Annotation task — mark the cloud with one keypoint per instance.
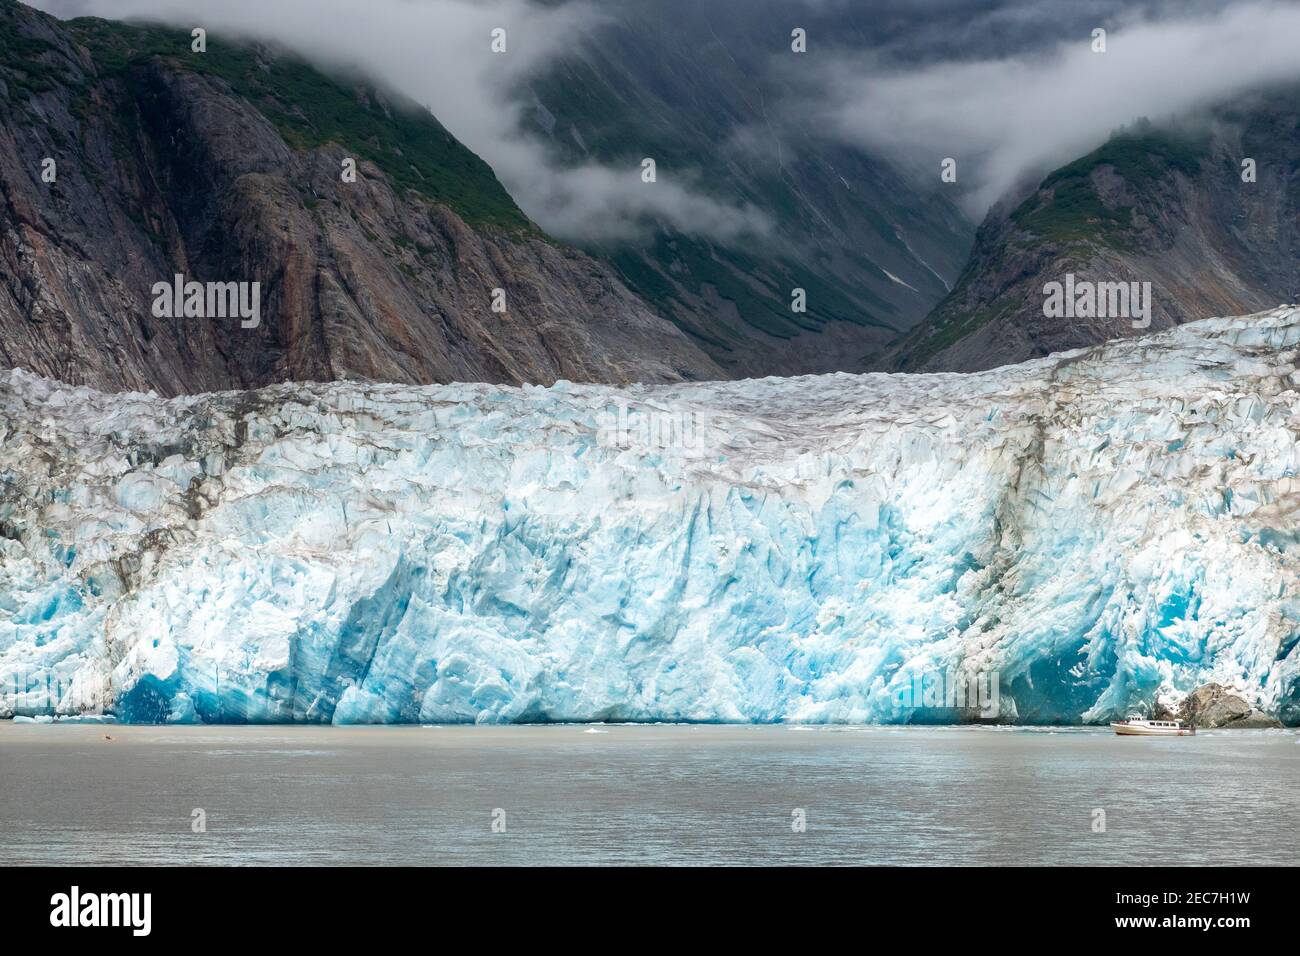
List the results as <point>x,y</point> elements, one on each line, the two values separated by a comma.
<point>1027,113</point>
<point>913,80</point>
<point>602,203</point>
<point>438,53</point>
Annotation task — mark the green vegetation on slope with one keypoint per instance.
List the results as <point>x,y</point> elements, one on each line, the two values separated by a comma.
<point>1067,207</point>
<point>628,99</point>
<point>761,292</point>
<point>21,67</point>
<point>945,325</point>
<point>310,109</point>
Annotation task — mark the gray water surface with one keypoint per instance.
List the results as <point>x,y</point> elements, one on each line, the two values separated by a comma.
<point>644,794</point>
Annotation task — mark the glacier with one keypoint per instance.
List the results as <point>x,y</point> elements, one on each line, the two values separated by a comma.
<point>1099,529</point>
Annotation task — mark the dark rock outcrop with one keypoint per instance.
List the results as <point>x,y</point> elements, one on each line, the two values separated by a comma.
<point>1213,705</point>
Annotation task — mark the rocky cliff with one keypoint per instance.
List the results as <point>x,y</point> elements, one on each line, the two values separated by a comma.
<point>1166,205</point>
<point>126,158</point>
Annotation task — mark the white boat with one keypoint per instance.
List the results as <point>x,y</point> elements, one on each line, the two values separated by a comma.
<point>1138,726</point>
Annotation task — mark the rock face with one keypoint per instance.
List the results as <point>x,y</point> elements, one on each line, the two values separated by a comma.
<point>697,86</point>
<point>1162,206</point>
<point>1083,531</point>
<point>1213,705</point>
<point>227,166</point>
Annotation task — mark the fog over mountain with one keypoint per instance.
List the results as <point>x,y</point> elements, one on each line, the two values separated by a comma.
<point>438,52</point>
<point>1009,114</point>
<point>1007,86</point>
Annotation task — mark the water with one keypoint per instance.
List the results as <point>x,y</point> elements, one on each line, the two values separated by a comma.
<point>636,794</point>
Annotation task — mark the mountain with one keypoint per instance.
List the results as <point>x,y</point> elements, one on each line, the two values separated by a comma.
<point>698,87</point>
<point>1091,533</point>
<point>1160,204</point>
<point>226,166</point>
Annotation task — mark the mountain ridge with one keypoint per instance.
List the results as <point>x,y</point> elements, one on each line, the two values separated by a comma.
<point>1161,204</point>
<point>164,167</point>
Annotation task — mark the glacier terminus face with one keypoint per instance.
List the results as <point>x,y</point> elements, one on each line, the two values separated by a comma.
<point>1086,534</point>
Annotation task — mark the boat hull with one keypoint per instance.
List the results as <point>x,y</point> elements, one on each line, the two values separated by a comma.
<point>1137,730</point>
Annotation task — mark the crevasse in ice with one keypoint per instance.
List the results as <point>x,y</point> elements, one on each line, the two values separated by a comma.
<point>1095,529</point>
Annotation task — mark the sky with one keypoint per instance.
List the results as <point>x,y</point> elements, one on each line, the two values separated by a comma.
<point>1009,88</point>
